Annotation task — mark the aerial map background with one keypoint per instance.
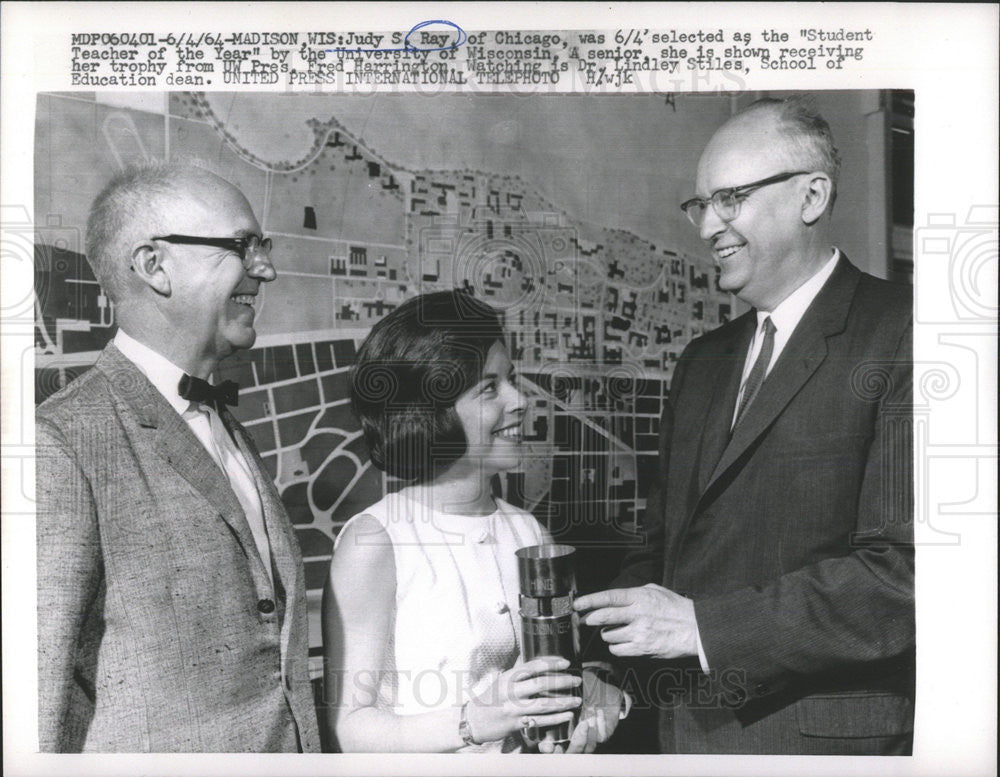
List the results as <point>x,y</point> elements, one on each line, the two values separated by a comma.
<point>561,210</point>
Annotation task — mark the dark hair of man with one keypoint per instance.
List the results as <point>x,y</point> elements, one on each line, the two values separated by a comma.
<point>411,369</point>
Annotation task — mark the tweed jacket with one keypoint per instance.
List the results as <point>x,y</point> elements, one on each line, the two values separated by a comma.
<point>792,534</point>
<point>159,629</point>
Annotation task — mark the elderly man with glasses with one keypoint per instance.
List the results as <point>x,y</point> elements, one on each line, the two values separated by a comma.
<point>171,600</point>
<point>773,598</point>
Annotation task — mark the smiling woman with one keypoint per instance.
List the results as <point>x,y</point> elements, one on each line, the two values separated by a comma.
<point>411,372</point>
<point>435,390</point>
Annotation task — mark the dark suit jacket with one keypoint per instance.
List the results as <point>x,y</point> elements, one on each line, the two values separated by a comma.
<point>794,537</point>
<point>158,629</point>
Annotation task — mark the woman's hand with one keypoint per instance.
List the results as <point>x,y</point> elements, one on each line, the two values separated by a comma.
<point>538,689</point>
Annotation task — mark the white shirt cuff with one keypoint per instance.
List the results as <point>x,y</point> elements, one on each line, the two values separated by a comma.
<point>701,651</point>
<point>626,707</point>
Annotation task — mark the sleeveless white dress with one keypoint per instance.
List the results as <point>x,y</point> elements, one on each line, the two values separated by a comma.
<point>456,620</point>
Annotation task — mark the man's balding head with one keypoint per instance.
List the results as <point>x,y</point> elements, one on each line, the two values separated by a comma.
<point>779,157</point>
<point>806,139</point>
<point>180,252</point>
<point>790,129</point>
<point>134,205</point>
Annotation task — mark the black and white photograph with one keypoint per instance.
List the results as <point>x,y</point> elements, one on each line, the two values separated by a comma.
<point>609,395</point>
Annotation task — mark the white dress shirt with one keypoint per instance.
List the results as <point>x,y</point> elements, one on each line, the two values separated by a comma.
<point>207,426</point>
<point>785,317</point>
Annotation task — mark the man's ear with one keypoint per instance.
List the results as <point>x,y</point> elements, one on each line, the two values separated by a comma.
<point>818,193</point>
<point>147,264</point>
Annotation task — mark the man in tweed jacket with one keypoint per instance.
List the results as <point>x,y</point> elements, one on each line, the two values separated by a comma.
<point>171,601</point>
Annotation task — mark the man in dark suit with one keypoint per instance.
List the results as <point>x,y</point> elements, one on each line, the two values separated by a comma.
<point>171,599</point>
<point>773,599</point>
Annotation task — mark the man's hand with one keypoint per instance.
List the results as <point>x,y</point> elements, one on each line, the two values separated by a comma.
<point>584,739</point>
<point>647,621</point>
<point>602,703</point>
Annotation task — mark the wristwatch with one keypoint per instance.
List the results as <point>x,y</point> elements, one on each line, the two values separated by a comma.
<point>464,730</point>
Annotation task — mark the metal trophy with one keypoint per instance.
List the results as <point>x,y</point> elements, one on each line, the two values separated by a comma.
<point>549,625</point>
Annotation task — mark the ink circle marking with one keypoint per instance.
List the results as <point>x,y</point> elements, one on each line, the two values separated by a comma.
<point>462,36</point>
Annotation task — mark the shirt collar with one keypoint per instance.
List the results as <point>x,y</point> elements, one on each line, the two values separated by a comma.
<point>787,315</point>
<point>162,373</point>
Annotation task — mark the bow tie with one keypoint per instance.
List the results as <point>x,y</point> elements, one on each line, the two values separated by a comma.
<point>198,390</point>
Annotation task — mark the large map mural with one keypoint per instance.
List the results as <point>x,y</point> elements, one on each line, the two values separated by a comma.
<point>597,312</point>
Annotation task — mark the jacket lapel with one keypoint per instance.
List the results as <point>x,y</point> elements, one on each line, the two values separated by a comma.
<point>284,557</point>
<point>726,386</point>
<point>174,441</point>
<point>801,357</point>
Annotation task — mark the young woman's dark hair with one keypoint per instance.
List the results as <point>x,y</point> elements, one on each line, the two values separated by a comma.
<point>411,369</point>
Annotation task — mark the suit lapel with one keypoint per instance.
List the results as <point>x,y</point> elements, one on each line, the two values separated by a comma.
<point>174,441</point>
<point>279,532</point>
<point>726,386</point>
<point>270,502</point>
<point>801,357</point>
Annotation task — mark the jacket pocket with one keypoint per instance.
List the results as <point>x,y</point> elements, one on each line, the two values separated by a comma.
<point>855,715</point>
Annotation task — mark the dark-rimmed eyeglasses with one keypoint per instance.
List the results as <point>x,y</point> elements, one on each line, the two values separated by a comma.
<point>248,247</point>
<point>727,202</point>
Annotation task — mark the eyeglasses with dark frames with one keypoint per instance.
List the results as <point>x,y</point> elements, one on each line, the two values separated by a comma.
<point>246,247</point>
<point>727,202</point>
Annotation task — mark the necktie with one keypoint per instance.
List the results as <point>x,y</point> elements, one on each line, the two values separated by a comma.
<point>759,370</point>
<point>198,390</point>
